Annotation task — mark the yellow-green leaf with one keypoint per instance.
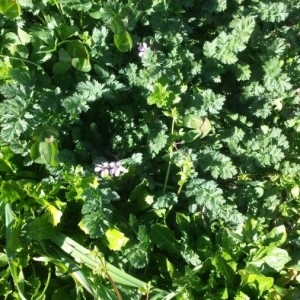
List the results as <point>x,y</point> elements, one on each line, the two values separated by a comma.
<point>10,8</point>
<point>116,239</point>
<point>54,214</point>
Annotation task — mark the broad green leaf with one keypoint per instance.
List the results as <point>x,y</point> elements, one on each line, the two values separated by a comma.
<point>13,44</point>
<point>11,191</point>
<point>5,166</point>
<point>140,191</point>
<point>232,241</point>
<point>276,237</point>
<point>95,14</point>
<point>116,239</point>
<point>251,230</point>
<point>277,258</point>
<point>64,56</point>
<point>24,37</point>
<point>66,31</point>
<point>40,228</point>
<point>45,150</point>
<point>164,238</point>
<point>258,282</point>
<point>3,260</point>
<point>140,198</point>
<point>205,246</point>
<point>81,64</point>
<point>80,56</point>
<point>10,8</point>
<point>170,268</point>
<point>55,214</point>
<point>117,26</point>
<point>184,223</point>
<point>44,45</point>
<point>225,264</point>
<point>34,151</point>
<point>190,136</point>
<point>193,121</point>
<point>270,256</point>
<point>61,67</point>
<point>77,49</point>
<point>45,133</point>
<point>201,126</point>
<point>123,41</point>
<point>241,296</point>
<point>224,293</point>
<point>264,283</point>
<point>48,152</point>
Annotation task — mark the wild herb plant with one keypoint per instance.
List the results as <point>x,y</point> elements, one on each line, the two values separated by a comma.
<point>149,149</point>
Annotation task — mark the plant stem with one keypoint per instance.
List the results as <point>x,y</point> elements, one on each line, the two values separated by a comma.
<point>116,290</point>
<point>26,61</point>
<point>170,158</point>
<point>41,296</point>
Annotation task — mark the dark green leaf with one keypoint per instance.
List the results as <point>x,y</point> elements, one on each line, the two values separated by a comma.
<point>123,41</point>
<point>61,67</point>
<point>164,238</point>
<point>117,26</point>
<point>40,229</point>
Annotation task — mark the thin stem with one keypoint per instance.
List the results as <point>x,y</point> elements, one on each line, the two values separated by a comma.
<point>60,11</point>
<point>168,170</point>
<point>21,59</point>
<point>116,290</point>
<point>180,188</point>
<point>46,285</point>
<point>170,158</point>
<point>26,61</point>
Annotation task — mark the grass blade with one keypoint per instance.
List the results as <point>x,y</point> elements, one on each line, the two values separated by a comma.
<point>16,274</point>
<point>79,253</point>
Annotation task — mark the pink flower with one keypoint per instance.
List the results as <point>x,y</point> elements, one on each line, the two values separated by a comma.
<point>142,49</point>
<point>113,169</point>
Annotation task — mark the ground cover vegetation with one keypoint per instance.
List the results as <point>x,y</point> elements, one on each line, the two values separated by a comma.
<point>149,149</point>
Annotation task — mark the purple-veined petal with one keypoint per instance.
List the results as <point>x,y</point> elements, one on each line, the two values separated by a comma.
<point>117,173</point>
<point>142,47</point>
<point>98,168</point>
<point>104,173</point>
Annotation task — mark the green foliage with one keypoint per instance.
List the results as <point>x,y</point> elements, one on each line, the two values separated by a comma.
<point>11,9</point>
<point>97,211</point>
<point>225,47</point>
<point>138,254</point>
<point>192,110</point>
